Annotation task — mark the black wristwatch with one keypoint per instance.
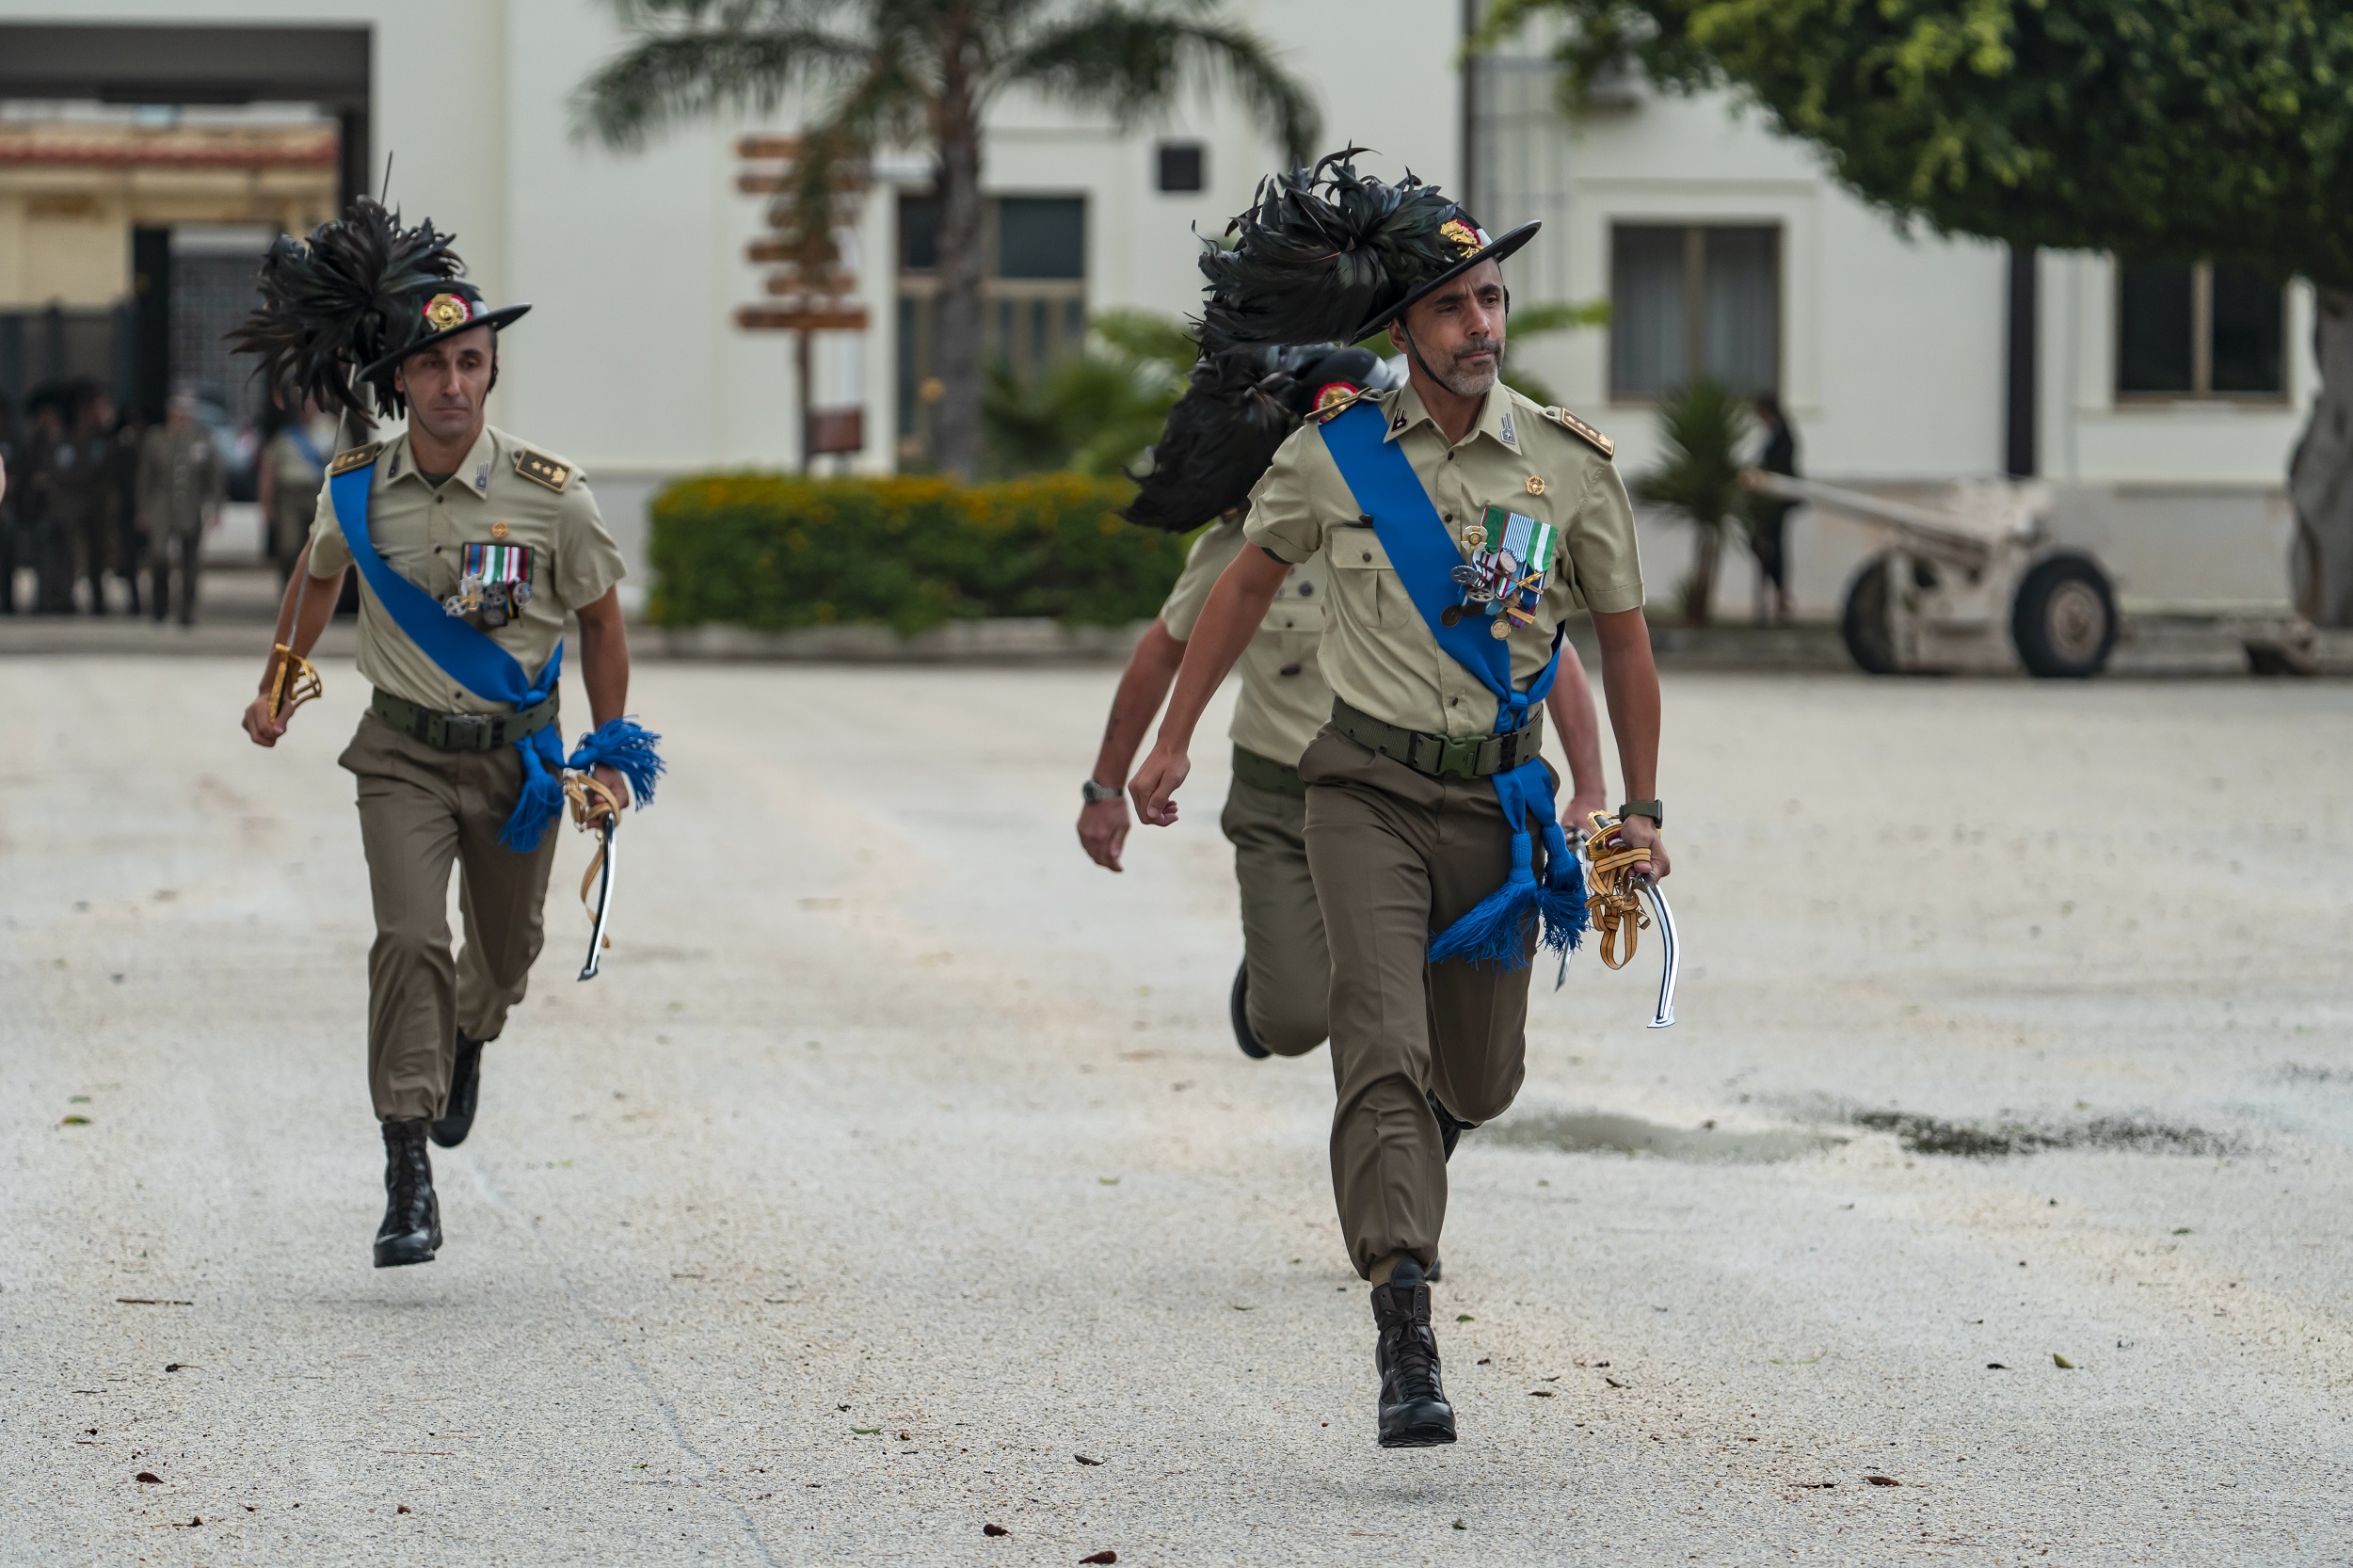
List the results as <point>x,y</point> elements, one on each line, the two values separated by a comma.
<point>1095,795</point>
<point>1655,810</point>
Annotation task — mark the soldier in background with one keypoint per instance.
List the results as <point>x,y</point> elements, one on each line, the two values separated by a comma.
<point>122,483</point>
<point>293,467</point>
<point>84,527</point>
<point>37,498</point>
<point>180,487</point>
<point>9,460</point>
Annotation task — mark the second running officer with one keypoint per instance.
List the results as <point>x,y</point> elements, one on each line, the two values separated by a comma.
<point>1464,524</point>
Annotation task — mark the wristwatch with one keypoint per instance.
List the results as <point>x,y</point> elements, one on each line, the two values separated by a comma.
<point>1655,810</point>
<point>1095,795</point>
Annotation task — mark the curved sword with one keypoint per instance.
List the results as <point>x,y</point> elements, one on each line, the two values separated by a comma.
<point>1661,916</point>
<point>601,872</point>
<point>1664,919</point>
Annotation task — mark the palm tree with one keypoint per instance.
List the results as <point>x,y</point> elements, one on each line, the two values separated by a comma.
<point>922,72</point>
<point>1701,427</point>
<point>1096,414</point>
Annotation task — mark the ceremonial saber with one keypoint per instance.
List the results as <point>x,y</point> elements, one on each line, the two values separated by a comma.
<point>1664,919</point>
<point>612,831</point>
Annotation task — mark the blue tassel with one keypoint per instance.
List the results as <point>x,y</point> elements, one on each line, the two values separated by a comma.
<point>1494,933</point>
<point>542,794</point>
<point>627,748</point>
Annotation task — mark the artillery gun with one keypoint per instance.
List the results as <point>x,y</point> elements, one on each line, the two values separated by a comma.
<point>1977,585</point>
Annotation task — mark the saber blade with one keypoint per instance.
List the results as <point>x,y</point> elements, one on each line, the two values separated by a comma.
<point>610,833</point>
<point>1664,919</point>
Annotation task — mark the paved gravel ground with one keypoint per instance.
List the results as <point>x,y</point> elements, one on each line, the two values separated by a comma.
<point>900,1175</point>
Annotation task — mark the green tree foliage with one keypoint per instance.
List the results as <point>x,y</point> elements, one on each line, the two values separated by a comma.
<point>875,75</point>
<point>2164,130</point>
<point>1094,414</point>
<point>1702,427</point>
<point>2179,129</point>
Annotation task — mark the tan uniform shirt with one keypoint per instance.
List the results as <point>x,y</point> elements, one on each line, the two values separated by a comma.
<point>1378,653</point>
<point>420,530</point>
<point>1284,699</point>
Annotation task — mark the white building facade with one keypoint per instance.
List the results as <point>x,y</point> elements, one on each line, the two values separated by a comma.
<point>1722,247</point>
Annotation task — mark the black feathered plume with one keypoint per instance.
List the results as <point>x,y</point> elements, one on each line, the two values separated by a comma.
<point>1239,407</point>
<point>1322,251</point>
<point>328,305</point>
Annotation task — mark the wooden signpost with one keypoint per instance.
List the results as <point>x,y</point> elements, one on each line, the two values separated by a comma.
<point>809,290</point>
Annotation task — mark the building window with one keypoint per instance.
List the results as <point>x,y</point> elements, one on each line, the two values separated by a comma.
<point>1687,301</point>
<point>1033,296</point>
<point>2199,331</point>
<point>1181,167</point>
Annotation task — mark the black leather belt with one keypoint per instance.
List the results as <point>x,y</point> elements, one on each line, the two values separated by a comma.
<point>461,731</point>
<point>1441,755</point>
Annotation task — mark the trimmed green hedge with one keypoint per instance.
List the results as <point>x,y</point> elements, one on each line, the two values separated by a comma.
<point>775,552</point>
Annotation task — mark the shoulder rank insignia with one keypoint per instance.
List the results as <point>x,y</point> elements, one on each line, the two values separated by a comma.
<point>543,469</point>
<point>358,456</point>
<point>1582,431</point>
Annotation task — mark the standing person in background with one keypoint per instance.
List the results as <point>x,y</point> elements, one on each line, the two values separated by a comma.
<point>8,510</point>
<point>89,487</point>
<point>62,470</point>
<point>36,498</point>
<point>122,483</point>
<point>181,486</point>
<point>293,467</point>
<point>1769,516</point>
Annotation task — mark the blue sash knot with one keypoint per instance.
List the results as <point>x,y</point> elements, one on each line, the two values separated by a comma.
<point>472,659</point>
<point>1424,555</point>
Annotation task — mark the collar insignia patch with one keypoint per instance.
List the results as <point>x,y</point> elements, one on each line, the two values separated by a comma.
<point>482,478</point>
<point>1511,437</point>
<point>1398,423</point>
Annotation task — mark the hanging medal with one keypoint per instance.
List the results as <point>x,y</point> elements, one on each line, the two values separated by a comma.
<point>494,581</point>
<point>1504,579</point>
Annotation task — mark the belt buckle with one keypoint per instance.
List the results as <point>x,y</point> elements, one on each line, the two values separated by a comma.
<point>466,731</point>
<point>1458,757</point>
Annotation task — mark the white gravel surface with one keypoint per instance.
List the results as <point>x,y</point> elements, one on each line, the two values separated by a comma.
<point>900,1157</point>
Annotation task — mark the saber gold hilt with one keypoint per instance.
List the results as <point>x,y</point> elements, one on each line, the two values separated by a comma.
<point>293,682</point>
<point>1617,868</point>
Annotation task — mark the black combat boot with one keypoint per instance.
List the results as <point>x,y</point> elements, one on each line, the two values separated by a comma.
<point>1451,1126</point>
<point>1414,1412</point>
<point>465,1093</point>
<point>1239,1004</point>
<point>411,1231</point>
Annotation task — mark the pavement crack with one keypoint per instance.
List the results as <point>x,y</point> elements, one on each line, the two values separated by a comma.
<point>614,1342</point>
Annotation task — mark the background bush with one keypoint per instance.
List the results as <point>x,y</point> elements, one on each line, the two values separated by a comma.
<point>775,552</point>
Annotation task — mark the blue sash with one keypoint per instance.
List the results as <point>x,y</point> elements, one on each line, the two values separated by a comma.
<point>472,660</point>
<point>1425,556</point>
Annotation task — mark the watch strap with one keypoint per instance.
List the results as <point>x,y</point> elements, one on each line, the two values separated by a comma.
<point>1095,794</point>
<point>1655,810</point>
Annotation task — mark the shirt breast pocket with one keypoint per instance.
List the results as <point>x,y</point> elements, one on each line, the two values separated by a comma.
<point>1364,584</point>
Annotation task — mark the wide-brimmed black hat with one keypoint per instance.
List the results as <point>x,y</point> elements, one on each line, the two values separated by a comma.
<point>348,301</point>
<point>448,308</point>
<point>1326,253</point>
<point>1239,407</point>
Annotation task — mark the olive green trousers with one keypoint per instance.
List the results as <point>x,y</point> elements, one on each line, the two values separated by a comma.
<point>1396,856</point>
<point>421,812</point>
<point>1282,927</point>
